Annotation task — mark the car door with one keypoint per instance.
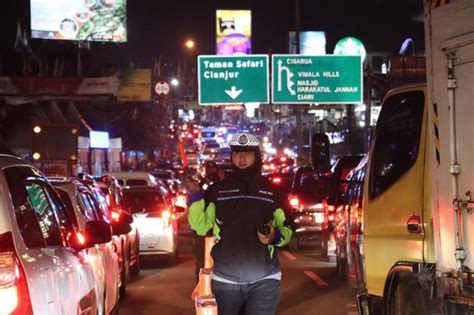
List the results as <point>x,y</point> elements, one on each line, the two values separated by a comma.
<point>67,280</point>
<point>393,197</point>
<point>75,267</point>
<point>35,256</point>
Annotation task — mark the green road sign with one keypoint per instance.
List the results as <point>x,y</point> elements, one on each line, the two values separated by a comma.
<point>299,79</point>
<point>225,80</point>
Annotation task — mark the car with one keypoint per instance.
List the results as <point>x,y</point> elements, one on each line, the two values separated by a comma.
<point>82,206</point>
<point>282,181</point>
<point>306,204</point>
<point>209,133</point>
<point>210,150</point>
<point>349,230</point>
<point>336,185</point>
<point>129,243</point>
<point>134,178</point>
<point>154,217</point>
<point>223,156</point>
<point>44,268</point>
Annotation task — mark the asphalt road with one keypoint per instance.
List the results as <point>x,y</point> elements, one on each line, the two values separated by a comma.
<point>310,285</point>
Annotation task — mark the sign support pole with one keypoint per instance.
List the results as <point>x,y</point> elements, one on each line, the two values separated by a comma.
<point>299,125</point>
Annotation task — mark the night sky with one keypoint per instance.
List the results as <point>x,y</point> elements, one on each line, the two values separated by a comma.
<point>158,26</point>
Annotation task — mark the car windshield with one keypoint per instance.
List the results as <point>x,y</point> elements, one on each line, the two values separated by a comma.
<point>143,201</point>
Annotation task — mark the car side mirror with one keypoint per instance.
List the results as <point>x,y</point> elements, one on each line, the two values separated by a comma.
<point>178,209</point>
<point>121,228</point>
<point>97,232</point>
<point>125,217</point>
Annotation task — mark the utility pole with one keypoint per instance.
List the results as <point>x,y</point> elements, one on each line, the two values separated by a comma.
<point>368,110</point>
<point>299,127</point>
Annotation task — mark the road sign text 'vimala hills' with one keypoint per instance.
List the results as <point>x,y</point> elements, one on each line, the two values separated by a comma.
<point>298,79</point>
<point>233,79</point>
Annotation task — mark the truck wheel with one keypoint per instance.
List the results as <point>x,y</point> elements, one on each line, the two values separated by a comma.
<point>408,299</point>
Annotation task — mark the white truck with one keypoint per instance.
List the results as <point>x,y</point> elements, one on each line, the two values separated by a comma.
<point>418,219</point>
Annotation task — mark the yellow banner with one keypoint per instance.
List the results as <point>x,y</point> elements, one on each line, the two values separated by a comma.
<point>135,85</point>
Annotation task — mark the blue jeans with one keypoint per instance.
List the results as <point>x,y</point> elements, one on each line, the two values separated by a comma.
<point>259,298</point>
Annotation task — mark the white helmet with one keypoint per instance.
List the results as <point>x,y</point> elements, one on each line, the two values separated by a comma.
<point>244,142</point>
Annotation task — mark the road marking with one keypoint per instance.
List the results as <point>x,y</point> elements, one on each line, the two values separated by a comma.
<point>289,255</point>
<point>313,276</point>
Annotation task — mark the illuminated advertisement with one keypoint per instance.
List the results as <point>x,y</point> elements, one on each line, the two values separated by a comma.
<point>233,32</point>
<point>311,43</point>
<point>87,20</point>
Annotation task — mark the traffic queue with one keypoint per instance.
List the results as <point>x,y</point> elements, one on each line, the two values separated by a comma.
<point>69,245</point>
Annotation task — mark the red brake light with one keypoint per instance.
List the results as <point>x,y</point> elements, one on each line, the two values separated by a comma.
<point>81,239</point>
<point>277,180</point>
<point>294,201</point>
<point>14,292</point>
<point>283,159</point>
<point>115,216</point>
<point>331,217</point>
<point>331,208</point>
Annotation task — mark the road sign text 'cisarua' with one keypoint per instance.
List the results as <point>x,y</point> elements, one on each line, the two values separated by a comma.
<point>327,79</point>
<point>233,79</point>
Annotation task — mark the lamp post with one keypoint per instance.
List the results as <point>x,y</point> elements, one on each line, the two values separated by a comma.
<point>189,44</point>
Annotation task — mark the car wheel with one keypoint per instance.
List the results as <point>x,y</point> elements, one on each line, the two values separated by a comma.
<point>324,247</point>
<point>135,269</point>
<point>173,258</point>
<point>294,244</point>
<point>123,287</point>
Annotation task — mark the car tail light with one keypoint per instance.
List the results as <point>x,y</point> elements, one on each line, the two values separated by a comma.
<point>14,292</point>
<point>81,238</point>
<point>294,201</point>
<point>331,217</point>
<point>115,216</point>
<point>331,208</point>
<point>277,180</point>
<point>319,217</point>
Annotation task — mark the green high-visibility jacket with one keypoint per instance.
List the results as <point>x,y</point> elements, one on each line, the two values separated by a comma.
<point>234,210</point>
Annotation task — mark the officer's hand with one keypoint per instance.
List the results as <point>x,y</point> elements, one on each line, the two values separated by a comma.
<point>268,238</point>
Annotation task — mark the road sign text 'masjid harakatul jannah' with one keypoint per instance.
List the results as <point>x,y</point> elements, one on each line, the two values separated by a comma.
<point>296,79</point>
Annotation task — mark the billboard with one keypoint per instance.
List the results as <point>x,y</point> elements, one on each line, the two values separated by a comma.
<point>87,20</point>
<point>311,43</point>
<point>135,85</point>
<point>233,32</point>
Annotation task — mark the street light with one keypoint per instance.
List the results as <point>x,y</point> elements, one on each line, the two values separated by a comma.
<point>189,44</point>
<point>174,82</point>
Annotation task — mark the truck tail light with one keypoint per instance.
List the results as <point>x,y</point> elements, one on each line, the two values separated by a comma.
<point>14,292</point>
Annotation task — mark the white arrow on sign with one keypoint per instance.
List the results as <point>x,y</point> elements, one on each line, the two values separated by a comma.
<point>233,93</point>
